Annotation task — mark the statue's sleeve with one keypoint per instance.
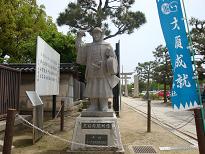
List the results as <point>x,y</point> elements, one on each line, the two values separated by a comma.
<point>112,63</point>
<point>81,53</point>
<point>110,52</point>
<point>112,67</point>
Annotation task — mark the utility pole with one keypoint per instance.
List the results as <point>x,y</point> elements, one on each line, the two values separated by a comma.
<point>165,76</point>
<point>148,102</point>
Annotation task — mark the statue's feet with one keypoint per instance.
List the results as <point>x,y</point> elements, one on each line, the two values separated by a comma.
<point>103,106</point>
<point>92,107</point>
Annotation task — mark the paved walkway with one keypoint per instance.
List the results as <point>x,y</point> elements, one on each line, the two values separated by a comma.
<point>181,123</point>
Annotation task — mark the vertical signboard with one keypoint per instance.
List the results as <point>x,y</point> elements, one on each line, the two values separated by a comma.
<point>184,94</point>
<point>47,69</point>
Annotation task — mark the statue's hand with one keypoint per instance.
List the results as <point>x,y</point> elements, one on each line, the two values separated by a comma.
<point>79,42</point>
<point>109,53</point>
<point>80,33</point>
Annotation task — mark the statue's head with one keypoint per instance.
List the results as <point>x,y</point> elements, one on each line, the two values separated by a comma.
<point>97,34</point>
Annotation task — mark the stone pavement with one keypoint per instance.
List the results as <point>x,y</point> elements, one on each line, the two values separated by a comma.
<point>181,123</point>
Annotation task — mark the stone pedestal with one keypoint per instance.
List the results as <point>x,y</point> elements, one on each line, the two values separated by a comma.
<point>98,133</point>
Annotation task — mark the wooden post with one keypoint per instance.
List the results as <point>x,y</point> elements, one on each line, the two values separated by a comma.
<point>62,115</point>
<point>165,77</point>
<point>149,115</point>
<point>54,107</point>
<point>199,130</point>
<point>116,89</point>
<point>9,131</point>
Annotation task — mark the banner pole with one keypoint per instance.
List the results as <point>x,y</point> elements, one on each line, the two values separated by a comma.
<point>192,52</point>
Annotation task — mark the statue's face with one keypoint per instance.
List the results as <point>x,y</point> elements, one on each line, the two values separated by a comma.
<point>97,36</point>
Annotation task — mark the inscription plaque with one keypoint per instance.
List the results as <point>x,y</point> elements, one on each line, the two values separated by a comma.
<point>94,139</point>
<point>96,126</point>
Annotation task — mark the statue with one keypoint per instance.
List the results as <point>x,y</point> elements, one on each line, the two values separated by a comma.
<point>101,67</point>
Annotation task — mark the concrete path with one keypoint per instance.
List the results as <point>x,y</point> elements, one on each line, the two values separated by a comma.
<point>181,123</point>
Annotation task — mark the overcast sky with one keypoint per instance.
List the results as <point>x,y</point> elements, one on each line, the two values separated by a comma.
<point>138,46</point>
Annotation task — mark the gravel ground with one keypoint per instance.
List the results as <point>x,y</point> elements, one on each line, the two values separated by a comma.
<point>132,128</point>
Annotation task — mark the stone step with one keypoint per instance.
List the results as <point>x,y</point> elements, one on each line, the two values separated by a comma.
<point>108,113</point>
<point>94,152</point>
<point>17,124</point>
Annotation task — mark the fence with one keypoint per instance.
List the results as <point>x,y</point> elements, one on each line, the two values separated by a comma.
<point>9,89</point>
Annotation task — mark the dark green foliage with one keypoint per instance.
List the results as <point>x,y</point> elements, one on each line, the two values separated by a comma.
<point>146,70</point>
<point>21,21</point>
<point>142,85</point>
<point>198,35</point>
<point>163,71</point>
<point>63,44</point>
<point>87,14</point>
<point>129,88</point>
<point>198,39</point>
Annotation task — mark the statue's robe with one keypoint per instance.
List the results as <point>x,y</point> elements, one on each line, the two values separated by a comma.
<point>99,81</point>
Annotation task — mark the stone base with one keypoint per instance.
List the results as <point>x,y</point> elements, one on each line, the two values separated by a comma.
<point>86,113</point>
<point>95,152</point>
<point>96,134</point>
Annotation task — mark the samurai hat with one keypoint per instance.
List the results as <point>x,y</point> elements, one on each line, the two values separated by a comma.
<point>97,29</point>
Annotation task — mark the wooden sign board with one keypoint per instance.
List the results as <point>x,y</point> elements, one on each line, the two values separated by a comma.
<point>47,69</point>
<point>34,98</point>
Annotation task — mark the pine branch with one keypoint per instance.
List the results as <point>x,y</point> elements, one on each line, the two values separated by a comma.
<point>113,35</point>
<point>100,5</point>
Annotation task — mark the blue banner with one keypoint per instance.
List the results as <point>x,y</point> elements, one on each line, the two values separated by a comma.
<point>183,94</point>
